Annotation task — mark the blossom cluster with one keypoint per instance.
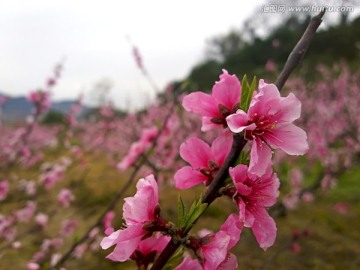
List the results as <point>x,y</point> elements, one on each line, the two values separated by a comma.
<point>267,123</point>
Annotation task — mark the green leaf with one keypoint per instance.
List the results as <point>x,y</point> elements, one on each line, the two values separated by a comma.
<point>243,158</point>
<point>195,211</point>
<point>175,259</point>
<point>247,92</point>
<point>181,212</point>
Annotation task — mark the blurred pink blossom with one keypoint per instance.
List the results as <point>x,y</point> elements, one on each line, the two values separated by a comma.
<point>4,189</point>
<point>65,196</point>
<point>41,219</point>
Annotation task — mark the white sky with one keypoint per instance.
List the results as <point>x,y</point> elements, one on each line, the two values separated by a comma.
<point>171,35</point>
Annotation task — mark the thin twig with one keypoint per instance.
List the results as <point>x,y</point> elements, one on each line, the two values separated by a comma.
<point>299,50</point>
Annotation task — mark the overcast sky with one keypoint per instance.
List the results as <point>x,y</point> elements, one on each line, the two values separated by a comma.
<point>171,36</point>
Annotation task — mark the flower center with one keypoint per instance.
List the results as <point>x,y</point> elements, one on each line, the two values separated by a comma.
<point>263,124</point>
<point>210,171</point>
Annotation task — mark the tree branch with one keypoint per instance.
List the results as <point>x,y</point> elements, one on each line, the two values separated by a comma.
<point>299,50</point>
<point>238,140</point>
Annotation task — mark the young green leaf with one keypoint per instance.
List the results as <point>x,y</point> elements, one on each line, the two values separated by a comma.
<point>195,211</point>
<point>181,212</point>
<point>175,259</point>
<point>247,92</point>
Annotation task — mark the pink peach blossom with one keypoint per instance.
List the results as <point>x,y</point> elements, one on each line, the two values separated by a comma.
<point>254,195</point>
<point>41,101</point>
<point>4,189</point>
<point>108,219</point>
<point>268,122</point>
<point>214,108</point>
<point>137,211</point>
<point>32,266</point>
<point>136,149</point>
<point>41,219</point>
<point>205,161</point>
<point>342,208</point>
<point>26,213</point>
<point>215,253</point>
<point>68,227</point>
<point>65,196</point>
<point>148,249</point>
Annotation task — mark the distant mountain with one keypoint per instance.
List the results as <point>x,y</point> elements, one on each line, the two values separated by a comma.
<point>16,109</point>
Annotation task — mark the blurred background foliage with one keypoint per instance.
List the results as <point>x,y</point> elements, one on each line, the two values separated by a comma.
<point>247,52</point>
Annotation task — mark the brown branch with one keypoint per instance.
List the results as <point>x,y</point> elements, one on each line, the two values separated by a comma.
<point>299,50</point>
<point>238,140</point>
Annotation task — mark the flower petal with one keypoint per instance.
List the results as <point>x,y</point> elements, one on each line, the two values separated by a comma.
<point>289,138</point>
<point>239,173</point>
<point>221,146</point>
<point>196,152</point>
<point>126,234</point>
<point>227,91</point>
<point>207,124</point>
<point>140,208</point>
<point>260,157</point>
<point>215,252</point>
<point>237,122</point>
<point>189,264</point>
<point>264,228</point>
<point>232,227</point>
<point>290,108</point>
<point>124,250</point>
<point>201,103</point>
<point>230,263</point>
<point>188,177</point>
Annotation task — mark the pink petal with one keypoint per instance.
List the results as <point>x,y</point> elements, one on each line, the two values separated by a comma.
<point>188,177</point>
<point>239,173</point>
<point>215,252</point>
<point>242,212</point>
<point>266,101</point>
<point>227,91</point>
<point>110,240</point>
<point>290,108</point>
<point>196,152</point>
<point>268,91</point>
<point>126,234</point>
<point>124,250</point>
<point>264,228</point>
<point>189,264</point>
<point>260,157</point>
<point>230,263</point>
<point>243,189</point>
<point>221,146</point>
<point>237,122</point>
<point>140,208</point>
<point>156,243</point>
<point>201,103</point>
<point>232,227</point>
<point>207,124</point>
<point>289,138</point>
<point>268,189</point>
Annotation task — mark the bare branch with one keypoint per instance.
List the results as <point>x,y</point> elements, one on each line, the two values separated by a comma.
<point>299,50</point>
